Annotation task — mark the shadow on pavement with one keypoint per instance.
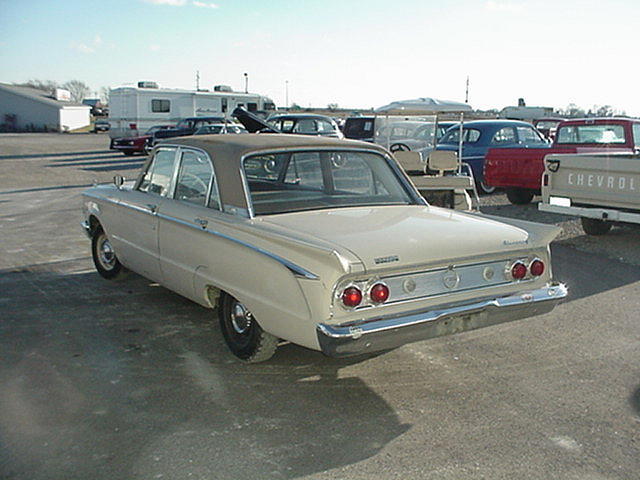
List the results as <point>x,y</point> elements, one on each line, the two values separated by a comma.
<point>120,380</point>
<point>52,155</point>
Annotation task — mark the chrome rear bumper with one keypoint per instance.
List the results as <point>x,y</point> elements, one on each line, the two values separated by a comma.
<point>389,332</point>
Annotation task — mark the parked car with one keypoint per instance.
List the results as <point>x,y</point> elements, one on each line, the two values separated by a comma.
<point>480,135</point>
<point>101,126</point>
<point>186,126</point>
<point>306,124</point>
<point>406,135</point>
<point>220,128</point>
<point>364,128</point>
<point>139,144</point>
<point>318,241</point>
<point>519,170</point>
<point>359,128</point>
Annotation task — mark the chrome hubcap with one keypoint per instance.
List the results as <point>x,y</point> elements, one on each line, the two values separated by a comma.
<point>106,254</point>
<point>241,318</point>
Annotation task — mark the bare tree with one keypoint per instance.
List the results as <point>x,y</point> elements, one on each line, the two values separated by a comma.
<point>44,85</point>
<point>79,90</point>
<point>104,95</point>
<point>573,110</point>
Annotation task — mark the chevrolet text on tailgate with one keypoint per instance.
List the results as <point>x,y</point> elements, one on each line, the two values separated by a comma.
<point>519,170</point>
<point>318,241</point>
<point>602,189</point>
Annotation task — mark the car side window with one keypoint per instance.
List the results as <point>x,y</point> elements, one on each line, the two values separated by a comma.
<point>505,135</point>
<point>529,136</point>
<point>195,177</point>
<point>157,178</point>
<point>636,135</point>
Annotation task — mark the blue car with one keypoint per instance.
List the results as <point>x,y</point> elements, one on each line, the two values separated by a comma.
<point>481,135</point>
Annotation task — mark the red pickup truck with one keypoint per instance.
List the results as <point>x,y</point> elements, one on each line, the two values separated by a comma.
<point>519,170</point>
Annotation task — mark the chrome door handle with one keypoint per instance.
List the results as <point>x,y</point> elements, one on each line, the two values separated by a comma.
<point>152,208</point>
<point>203,223</point>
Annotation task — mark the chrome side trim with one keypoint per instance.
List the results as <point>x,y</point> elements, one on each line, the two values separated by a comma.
<point>382,333</point>
<point>86,228</point>
<point>294,268</point>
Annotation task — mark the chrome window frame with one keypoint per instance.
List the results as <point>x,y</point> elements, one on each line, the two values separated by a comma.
<point>150,164</point>
<point>214,179</point>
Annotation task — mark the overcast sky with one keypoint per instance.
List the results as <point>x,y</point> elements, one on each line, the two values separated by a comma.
<point>354,53</point>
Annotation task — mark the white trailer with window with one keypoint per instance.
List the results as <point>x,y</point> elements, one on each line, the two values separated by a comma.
<point>132,110</point>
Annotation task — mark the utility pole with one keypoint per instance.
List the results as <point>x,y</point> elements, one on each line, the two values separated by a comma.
<point>286,94</point>
<point>246,83</point>
<point>466,94</point>
<point>197,80</point>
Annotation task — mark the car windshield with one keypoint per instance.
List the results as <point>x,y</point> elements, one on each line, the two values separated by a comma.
<point>600,133</point>
<point>208,129</point>
<point>315,180</point>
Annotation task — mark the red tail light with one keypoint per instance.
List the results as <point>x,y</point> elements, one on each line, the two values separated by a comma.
<point>536,268</point>
<point>351,297</point>
<point>379,293</point>
<point>518,271</point>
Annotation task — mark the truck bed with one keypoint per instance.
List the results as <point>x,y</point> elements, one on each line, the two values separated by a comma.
<point>594,180</point>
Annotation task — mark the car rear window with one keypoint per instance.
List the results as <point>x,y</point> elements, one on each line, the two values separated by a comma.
<point>594,133</point>
<point>314,180</point>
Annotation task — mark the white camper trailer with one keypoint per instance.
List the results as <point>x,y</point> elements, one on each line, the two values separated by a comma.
<point>135,109</point>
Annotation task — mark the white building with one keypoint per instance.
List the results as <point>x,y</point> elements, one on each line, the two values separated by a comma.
<point>24,108</point>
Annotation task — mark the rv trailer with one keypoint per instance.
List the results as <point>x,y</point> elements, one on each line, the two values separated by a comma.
<point>133,110</point>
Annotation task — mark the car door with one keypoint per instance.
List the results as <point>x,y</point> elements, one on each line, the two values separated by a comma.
<point>135,232</point>
<point>183,239</point>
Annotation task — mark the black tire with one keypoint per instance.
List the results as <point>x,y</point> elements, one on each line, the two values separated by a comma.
<point>593,226</point>
<point>128,153</point>
<point>399,147</point>
<point>241,332</point>
<point>519,196</point>
<point>104,258</point>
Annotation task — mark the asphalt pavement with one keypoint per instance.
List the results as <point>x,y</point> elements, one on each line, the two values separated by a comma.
<point>128,380</point>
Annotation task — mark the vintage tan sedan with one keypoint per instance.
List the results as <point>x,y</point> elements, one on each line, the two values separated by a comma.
<point>321,242</point>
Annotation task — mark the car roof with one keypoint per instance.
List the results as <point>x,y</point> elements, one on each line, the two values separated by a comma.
<point>496,123</point>
<point>295,116</point>
<point>227,151</point>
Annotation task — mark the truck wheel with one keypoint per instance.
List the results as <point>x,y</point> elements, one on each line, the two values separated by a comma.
<point>519,196</point>
<point>104,258</point>
<point>244,337</point>
<point>594,226</point>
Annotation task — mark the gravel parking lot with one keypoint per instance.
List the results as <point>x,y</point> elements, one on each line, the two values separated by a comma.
<point>128,380</point>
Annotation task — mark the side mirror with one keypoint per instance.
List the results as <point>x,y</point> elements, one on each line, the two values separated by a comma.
<point>118,181</point>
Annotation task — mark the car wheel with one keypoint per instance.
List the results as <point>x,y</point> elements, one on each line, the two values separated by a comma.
<point>244,337</point>
<point>519,196</point>
<point>104,257</point>
<point>128,153</point>
<point>594,226</point>
<point>486,188</point>
<point>399,147</point>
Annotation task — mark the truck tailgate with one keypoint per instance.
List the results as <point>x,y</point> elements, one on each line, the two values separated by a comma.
<point>607,180</point>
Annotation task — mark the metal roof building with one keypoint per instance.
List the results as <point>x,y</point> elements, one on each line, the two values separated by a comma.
<point>24,108</point>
